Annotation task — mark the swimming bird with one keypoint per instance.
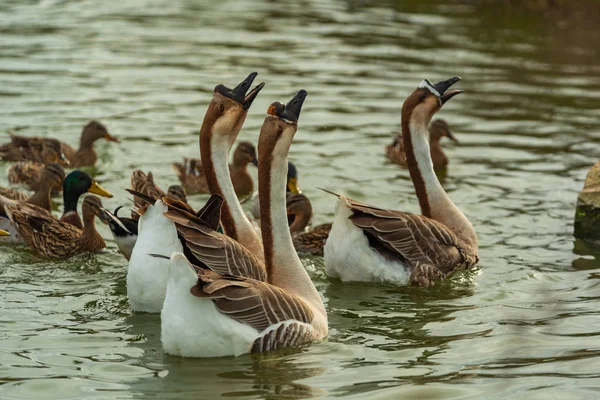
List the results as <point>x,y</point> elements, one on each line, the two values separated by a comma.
<point>144,183</point>
<point>56,239</point>
<point>75,184</point>
<point>217,309</point>
<point>51,179</point>
<point>146,275</point>
<point>39,150</point>
<point>191,174</point>
<point>123,229</point>
<point>29,174</point>
<point>368,243</point>
<point>438,129</point>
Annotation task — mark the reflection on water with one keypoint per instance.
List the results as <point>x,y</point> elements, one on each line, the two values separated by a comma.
<point>522,325</point>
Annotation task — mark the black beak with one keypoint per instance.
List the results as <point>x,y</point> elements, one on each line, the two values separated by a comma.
<point>292,109</point>
<point>239,92</point>
<point>442,86</point>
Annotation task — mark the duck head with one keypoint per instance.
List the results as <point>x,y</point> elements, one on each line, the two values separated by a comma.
<point>439,128</point>
<point>93,131</point>
<point>245,154</point>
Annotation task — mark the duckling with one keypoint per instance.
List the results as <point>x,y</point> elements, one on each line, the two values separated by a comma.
<point>37,149</point>
<point>52,178</point>
<point>192,177</point>
<point>56,239</point>
<point>437,130</point>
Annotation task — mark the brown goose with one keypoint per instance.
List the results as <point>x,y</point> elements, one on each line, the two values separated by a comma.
<point>191,174</point>
<point>222,122</point>
<point>232,314</point>
<point>51,179</point>
<point>438,129</point>
<point>368,243</point>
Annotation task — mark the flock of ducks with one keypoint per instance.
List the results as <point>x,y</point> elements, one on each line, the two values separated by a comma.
<point>226,282</point>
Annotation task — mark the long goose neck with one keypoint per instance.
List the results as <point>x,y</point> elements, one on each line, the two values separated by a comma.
<point>433,199</point>
<point>284,268</point>
<point>214,152</point>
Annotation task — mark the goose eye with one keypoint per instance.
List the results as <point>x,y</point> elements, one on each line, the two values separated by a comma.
<point>221,108</point>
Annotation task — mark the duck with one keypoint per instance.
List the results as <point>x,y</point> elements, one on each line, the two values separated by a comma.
<point>21,147</point>
<point>372,244</point>
<point>191,174</point>
<point>51,179</point>
<point>146,275</point>
<point>438,129</point>
<point>221,125</point>
<point>209,312</point>
<point>123,229</point>
<point>144,183</point>
<point>37,149</point>
<point>75,184</point>
<point>29,174</point>
<point>55,239</point>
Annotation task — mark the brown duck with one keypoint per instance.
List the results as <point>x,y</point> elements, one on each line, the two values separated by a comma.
<point>192,177</point>
<point>57,239</point>
<point>299,211</point>
<point>438,129</point>
<point>144,183</point>
<point>52,177</point>
<point>37,149</point>
<point>85,155</point>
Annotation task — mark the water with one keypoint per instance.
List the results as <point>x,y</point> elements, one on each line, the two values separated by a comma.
<point>525,324</point>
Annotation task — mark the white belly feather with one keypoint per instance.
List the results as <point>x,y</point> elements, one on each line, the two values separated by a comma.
<point>147,275</point>
<point>349,257</point>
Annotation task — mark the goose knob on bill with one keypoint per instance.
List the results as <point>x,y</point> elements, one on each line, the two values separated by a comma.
<point>367,243</point>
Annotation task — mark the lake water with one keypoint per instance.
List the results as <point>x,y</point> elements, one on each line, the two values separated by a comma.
<point>525,324</point>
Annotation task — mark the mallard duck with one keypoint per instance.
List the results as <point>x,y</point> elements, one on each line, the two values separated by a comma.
<point>144,183</point>
<point>74,185</point>
<point>368,243</point>
<point>222,123</point>
<point>192,177</point>
<point>299,212</point>
<point>56,239</point>
<point>438,129</point>
<point>227,311</point>
<point>24,148</point>
<point>52,178</point>
<point>38,149</point>
<point>123,229</point>
<point>29,174</point>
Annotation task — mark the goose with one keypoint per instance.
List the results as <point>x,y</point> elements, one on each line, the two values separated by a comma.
<point>191,174</point>
<point>438,129</point>
<point>367,243</point>
<point>222,122</point>
<point>146,275</point>
<point>216,310</point>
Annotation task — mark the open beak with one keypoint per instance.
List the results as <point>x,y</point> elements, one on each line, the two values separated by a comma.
<point>97,189</point>
<point>111,138</point>
<point>292,185</point>
<point>4,233</point>
<point>240,92</point>
<point>442,86</point>
<point>293,107</point>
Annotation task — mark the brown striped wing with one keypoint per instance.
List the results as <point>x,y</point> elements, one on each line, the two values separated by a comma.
<point>417,240</point>
<point>44,233</point>
<point>218,252</point>
<point>261,306</point>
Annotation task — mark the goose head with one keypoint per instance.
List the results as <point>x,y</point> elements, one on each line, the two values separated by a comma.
<point>428,99</point>
<point>228,108</point>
